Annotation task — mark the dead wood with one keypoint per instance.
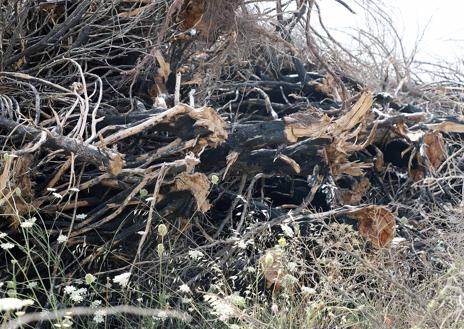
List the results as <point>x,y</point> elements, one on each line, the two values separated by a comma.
<point>104,159</point>
<point>99,144</point>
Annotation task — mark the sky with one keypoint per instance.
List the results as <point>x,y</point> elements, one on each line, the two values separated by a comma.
<point>442,20</point>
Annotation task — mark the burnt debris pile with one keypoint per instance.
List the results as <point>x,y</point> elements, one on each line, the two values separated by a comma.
<point>119,116</point>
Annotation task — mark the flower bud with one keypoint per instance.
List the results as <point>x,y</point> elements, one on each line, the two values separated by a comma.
<point>162,230</point>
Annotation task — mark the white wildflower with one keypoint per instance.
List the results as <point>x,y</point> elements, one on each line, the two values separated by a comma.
<point>66,323</point>
<point>274,308</point>
<point>11,304</point>
<point>288,281</point>
<point>3,235</point>
<point>185,289</point>
<point>57,195</point>
<point>29,222</point>
<point>51,189</point>
<point>99,316</point>
<point>32,284</point>
<point>76,295</point>
<point>237,300</point>
<point>195,254</point>
<point>292,266</point>
<point>221,307</point>
<point>308,291</point>
<point>184,300</point>
<point>62,238</point>
<point>96,303</point>
<point>122,279</point>
<point>6,246</point>
<point>69,289</point>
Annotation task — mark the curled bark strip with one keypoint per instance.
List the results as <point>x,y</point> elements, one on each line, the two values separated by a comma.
<point>300,125</point>
<point>357,114</point>
<point>198,184</point>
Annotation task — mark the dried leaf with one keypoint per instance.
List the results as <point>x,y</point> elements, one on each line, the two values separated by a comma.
<point>191,15</point>
<point>376,224</point>
<point>434,149</point>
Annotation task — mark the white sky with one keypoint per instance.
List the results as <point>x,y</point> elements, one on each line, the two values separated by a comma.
<point>444,35</point>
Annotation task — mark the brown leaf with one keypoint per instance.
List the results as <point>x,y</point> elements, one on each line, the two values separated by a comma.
<point>191,15</point>
<point>435,149</point>
<point>376,224</point>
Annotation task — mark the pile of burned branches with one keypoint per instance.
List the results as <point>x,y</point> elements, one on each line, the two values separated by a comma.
<point>119,116</point>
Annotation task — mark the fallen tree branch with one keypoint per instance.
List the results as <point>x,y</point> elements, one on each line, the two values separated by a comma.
<point>104,159</point>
